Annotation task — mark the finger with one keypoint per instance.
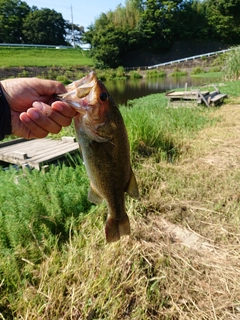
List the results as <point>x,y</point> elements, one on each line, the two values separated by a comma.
<point>32,129</point>
<point>64,109</point>
<point>48,87</point>
<point>43,120</point>
<point>52,114</point>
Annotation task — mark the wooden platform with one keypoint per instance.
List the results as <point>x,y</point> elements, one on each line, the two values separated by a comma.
<point>208,98</point>
<point>36,152</point>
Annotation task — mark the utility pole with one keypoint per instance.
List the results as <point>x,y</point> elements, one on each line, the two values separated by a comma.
<point>72,29</point>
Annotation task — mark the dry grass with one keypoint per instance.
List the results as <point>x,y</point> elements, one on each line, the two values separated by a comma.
<point>183,258</point>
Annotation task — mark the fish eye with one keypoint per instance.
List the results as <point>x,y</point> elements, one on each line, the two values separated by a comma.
<point>103,96</point>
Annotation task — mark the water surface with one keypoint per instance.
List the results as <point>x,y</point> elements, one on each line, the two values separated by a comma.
<point>124,90</point>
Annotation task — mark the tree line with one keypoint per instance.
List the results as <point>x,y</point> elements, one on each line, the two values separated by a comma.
<point>150,24</point>
<point>155,24</point>
<point>20,23</point>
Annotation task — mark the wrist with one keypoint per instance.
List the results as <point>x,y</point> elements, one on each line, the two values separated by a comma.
<point>5,116</point>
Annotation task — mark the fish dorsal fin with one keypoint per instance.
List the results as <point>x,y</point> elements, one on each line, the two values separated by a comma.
<point>93,196</point>
<point>132,188</point>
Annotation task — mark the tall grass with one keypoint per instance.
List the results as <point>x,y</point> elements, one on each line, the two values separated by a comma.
<point>157,130</point>
<point>232,64</point>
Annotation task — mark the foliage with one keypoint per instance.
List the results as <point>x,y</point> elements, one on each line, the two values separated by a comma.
<point>156,24</point>
<point>178,73</point>
<point>12,15</point>
<point>110,43</point>
<point>224,19</point>
<point>44,26</point>
<point>155,73</point>
<point>21,24</point>
<point>133,74</point>
<point>74,33</point>
<point>197,70</point>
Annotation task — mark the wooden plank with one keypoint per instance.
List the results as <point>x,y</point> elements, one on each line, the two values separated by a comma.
<point>185,93</point>
<point>203,99</point>
<point>37,152</point>
<point>51,154</point>
<point>218,97</point>
<point>8,143</point>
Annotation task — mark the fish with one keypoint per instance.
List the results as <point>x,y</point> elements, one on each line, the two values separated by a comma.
<point>104,144</point>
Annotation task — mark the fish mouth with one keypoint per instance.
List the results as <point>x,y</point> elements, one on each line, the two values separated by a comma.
<point>78,91</point>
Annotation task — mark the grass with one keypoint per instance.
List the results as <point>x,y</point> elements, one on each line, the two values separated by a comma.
<point>31,57</point>
<point>55,263</point>
<point>231,64</point>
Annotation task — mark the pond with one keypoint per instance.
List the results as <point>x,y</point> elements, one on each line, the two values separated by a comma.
<point>124,90</point>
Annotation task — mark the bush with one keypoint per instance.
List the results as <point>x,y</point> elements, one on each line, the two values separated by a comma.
<point>178,73</point>
<point>135,74</point>
<point>197,70</point>
<point>155,73</point>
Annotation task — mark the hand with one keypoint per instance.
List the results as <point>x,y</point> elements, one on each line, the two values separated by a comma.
<point>29,100</point>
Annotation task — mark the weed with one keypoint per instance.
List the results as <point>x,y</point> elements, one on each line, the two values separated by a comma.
<point>178,73</point>
<point>155,73</point>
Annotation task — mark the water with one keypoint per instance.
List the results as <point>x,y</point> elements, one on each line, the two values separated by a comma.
<point>124,90</point>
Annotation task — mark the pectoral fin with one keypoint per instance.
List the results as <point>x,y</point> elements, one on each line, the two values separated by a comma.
<point>132,188</point>
<point>93,196</point>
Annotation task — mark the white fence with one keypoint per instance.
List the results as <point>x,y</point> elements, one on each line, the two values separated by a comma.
<point>22,45</point>
<point>187,59</point>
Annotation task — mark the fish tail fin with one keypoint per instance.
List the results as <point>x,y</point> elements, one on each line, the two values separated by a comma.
<point>116,228</point>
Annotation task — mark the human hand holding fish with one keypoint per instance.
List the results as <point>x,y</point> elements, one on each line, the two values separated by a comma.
<point>33,106</point>
<point>103,141</point>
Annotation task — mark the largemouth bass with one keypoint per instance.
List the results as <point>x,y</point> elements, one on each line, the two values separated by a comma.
<point>104,145</point>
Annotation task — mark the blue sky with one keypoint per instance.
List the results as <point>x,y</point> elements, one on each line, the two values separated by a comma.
<point>84,12</point>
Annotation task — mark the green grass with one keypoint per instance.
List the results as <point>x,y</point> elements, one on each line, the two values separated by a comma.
<point>208,74</point>
<point>31,57</point>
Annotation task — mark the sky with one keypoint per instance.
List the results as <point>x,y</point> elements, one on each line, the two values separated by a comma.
<point>84,12</point>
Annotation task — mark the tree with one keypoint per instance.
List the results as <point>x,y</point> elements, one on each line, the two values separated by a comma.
<point>156,23</point>
<point>190,22</point>
<point>12,15</point>
<point>74,33</point>
<point>44,26</point>
<point>114,33</point>
<point>108,43</point>
<point>224,19</point>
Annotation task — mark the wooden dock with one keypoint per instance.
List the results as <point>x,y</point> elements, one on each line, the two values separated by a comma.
<point>36,153</point>
<point>213,98</point>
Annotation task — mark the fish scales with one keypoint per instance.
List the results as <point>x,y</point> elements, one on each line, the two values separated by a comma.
<point>103,141</point>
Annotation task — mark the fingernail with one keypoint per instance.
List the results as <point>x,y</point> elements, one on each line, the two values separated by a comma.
<point>38,105</point>
<point>24,117</point>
